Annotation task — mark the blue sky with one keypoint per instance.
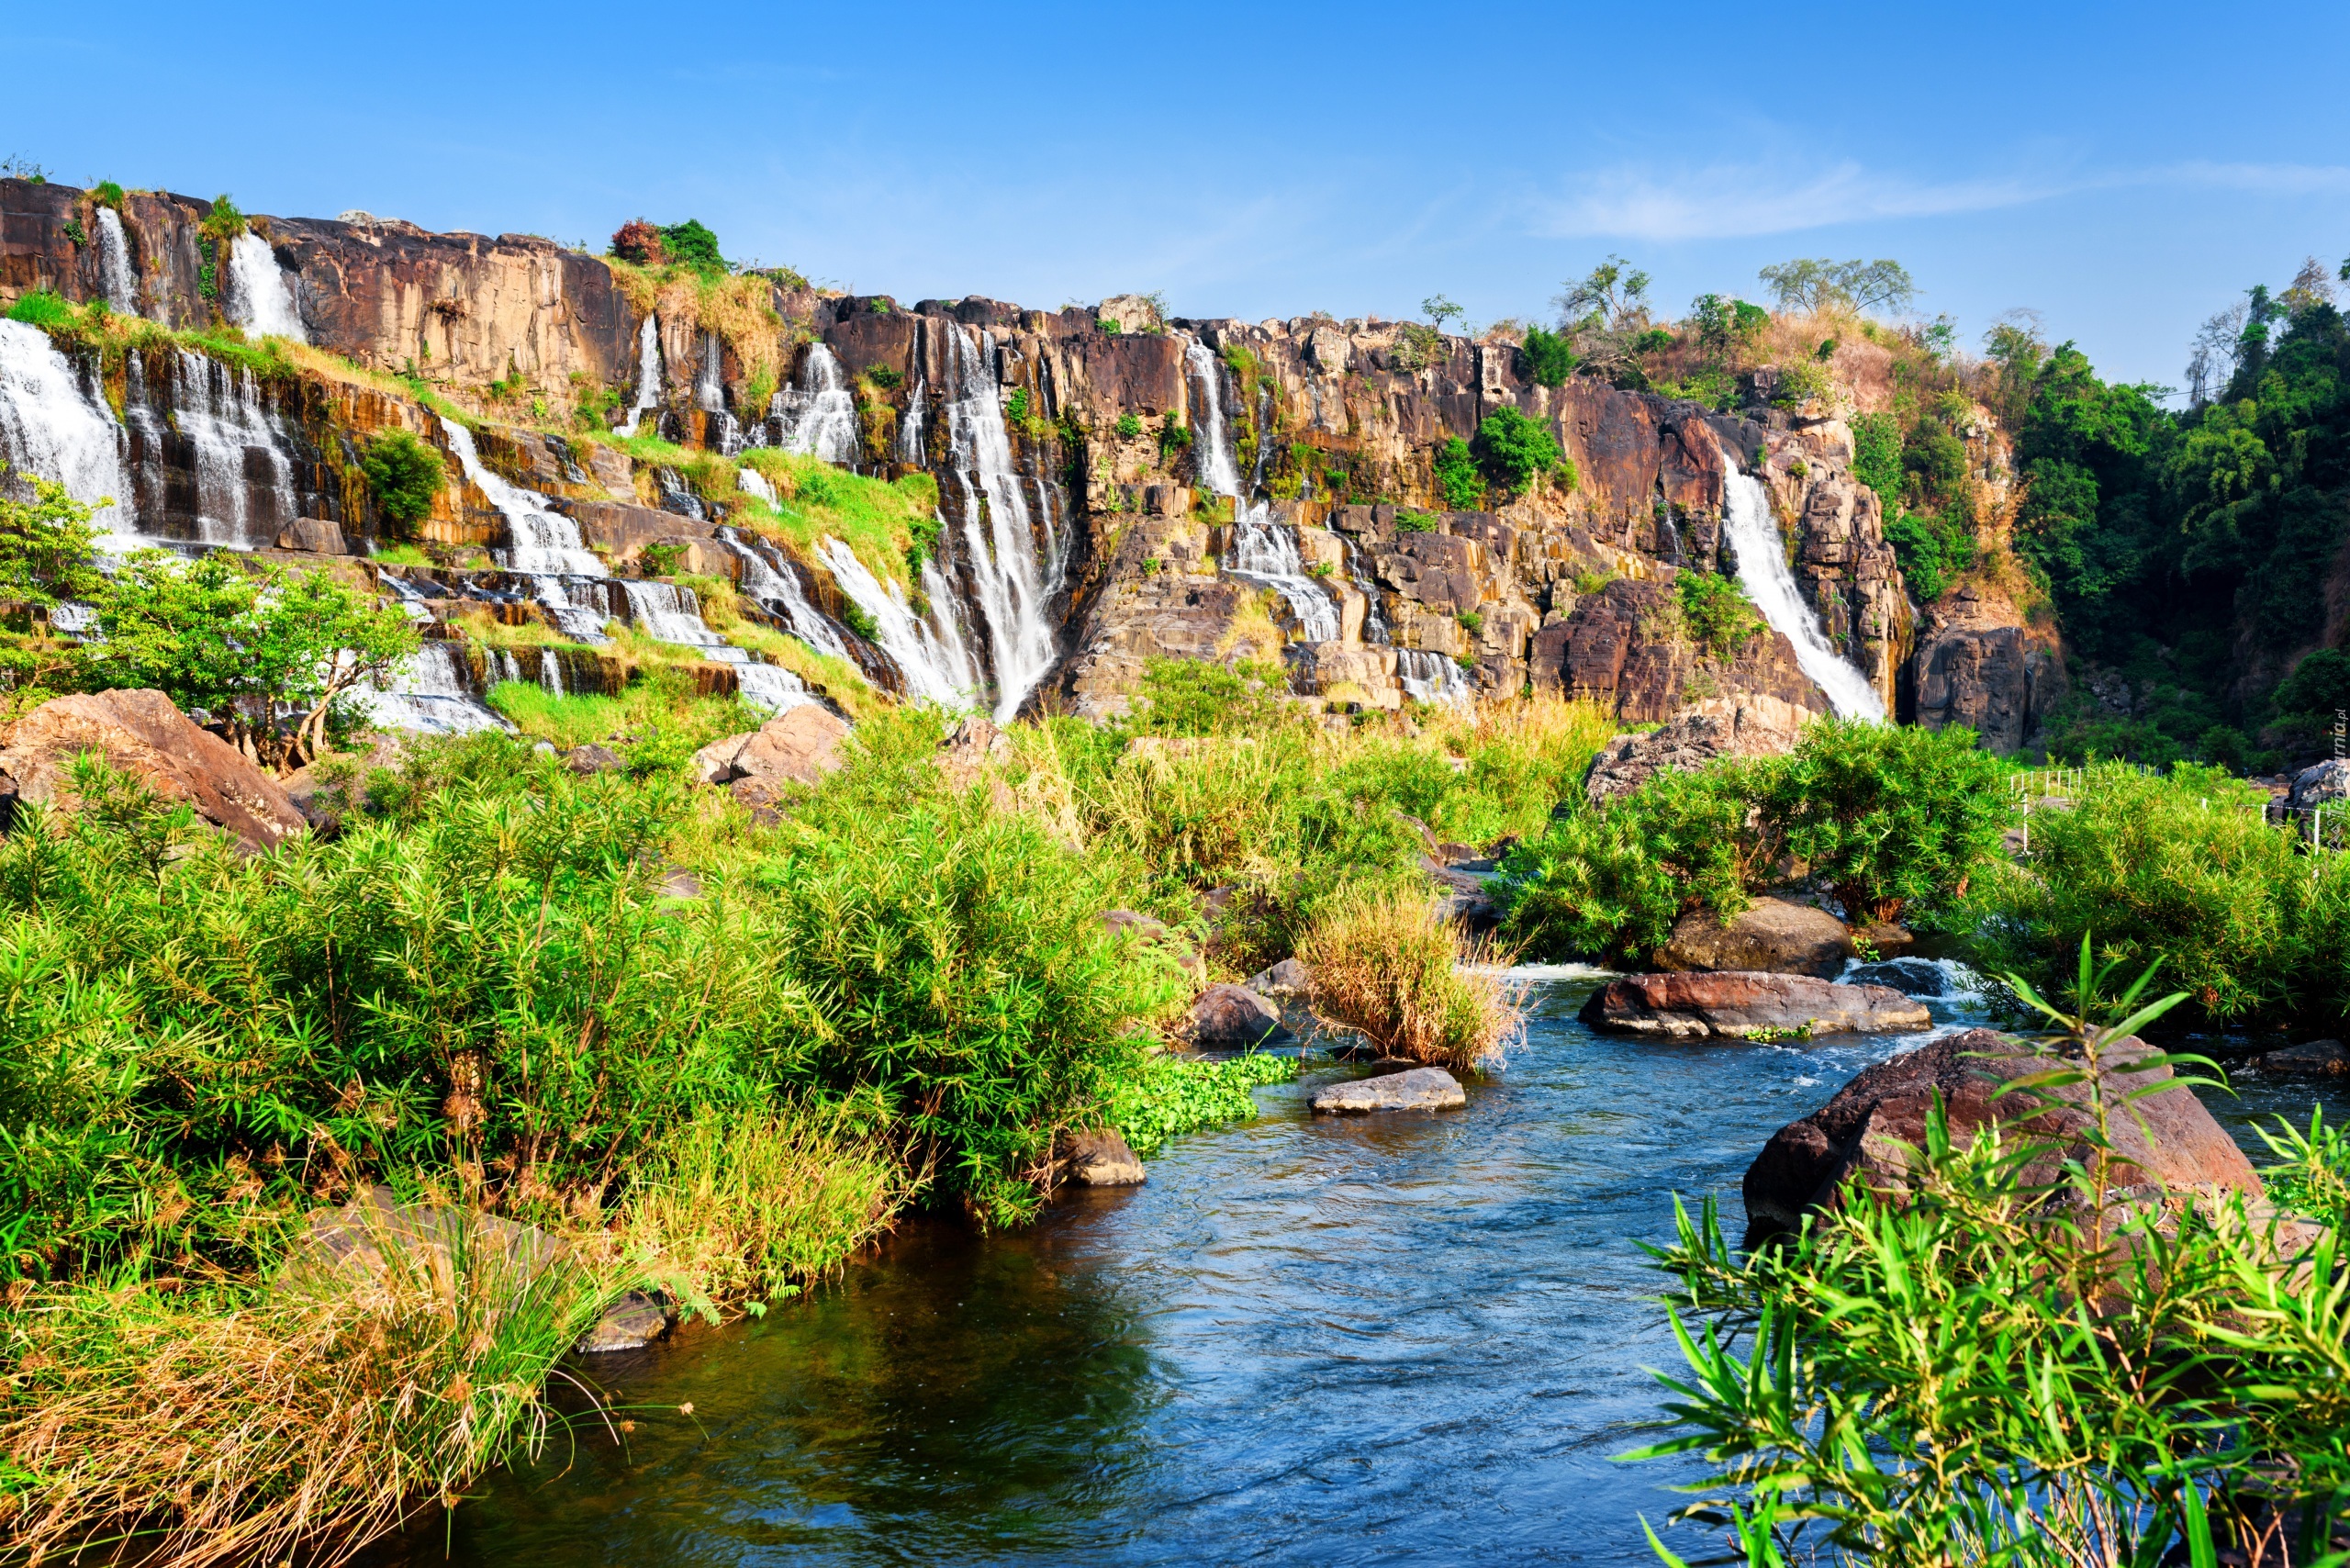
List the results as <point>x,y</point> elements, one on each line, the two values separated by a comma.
<point>2126,172</point>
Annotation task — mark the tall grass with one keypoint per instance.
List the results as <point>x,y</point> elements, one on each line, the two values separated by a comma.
<point>1389,966</point>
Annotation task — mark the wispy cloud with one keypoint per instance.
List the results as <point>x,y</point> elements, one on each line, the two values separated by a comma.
<point>1727,201</point>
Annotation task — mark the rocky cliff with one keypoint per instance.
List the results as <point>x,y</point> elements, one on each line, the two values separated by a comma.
<point>1113,488</point>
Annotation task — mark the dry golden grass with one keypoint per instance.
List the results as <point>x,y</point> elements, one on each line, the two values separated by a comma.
<point>1388,965</point>
<point>1252,633</point>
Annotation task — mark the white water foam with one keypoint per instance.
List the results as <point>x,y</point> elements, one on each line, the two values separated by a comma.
<point>432,691</point>
<point>1430,677</point>
<point>1763,572</point>
<point>1264,551</point>
<point>260,292</point>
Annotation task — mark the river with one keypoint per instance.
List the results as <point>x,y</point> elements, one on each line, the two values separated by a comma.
<point>1397,1339</point>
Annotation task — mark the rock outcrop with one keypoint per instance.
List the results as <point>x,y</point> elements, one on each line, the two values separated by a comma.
<point>1980,665</point>
<point>143,736</point>
<point>799,744</point>
<point>2311,1058</point>
<point>1752,725</point>
<point>1770,935</point>
<point>1419,1089</point>
<point>2328,783</point>
<point>1100,1157</point>
<point>1737,1005</point>
<point>1869,1129</point>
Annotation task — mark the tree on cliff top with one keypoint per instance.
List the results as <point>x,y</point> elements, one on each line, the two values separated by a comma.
<point>1815,283</point>
<point>692,244</point>
<point>637,241</point>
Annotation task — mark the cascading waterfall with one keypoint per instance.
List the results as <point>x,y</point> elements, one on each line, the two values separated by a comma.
<point>244,481</point>
<point>55,424</point>
<point>541,543</point>
<point>1763,572</point>
<point>261,295</point>
<point>432,691</point>
<point>116,272</point>
<point>1430,676</point>
<point>930,654</point>
<point>1262,550</point>
<point>818,418</point>
<point>648,373</point>
<point>776,586</point>
<point>751,482</point>
<point>1011,584</point>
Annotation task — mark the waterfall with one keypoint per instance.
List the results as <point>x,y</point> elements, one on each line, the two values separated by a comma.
<point>55,424</point>
<point>1266,552</point>
<point>1217,471</point>
<point>116,272</point>
<point>432,691</point>
<point>673,615</point>
<point>709,397</point>
<point>648,373</point>
<point>506,665</point>
<point>751,482</point>
<point>818,418</point>
<point>1430,676</point>
<point>1010,583</point>
<point>929,655</point>
<point>1762,571</point>
<point>910,429</point>
<point>539,540</point>
<point>261,295</point>
<point>771,686</point>
<point>777,587</point>
<point>244,482</point>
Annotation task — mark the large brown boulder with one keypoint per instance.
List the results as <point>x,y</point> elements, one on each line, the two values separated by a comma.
<point>1737,1004</point>
<point>1864,1130</point>
<point>1771,936</point>
<point>1747,726</point>
<point>800,743</point>
<point>1235,1015</point>
<point>141,733</point>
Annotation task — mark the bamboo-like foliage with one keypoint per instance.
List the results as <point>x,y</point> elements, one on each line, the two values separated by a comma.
<point>1973,1368</point>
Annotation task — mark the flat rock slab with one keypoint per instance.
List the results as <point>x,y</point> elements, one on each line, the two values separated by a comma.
<point>1736,1005</point>
<point>1422,1089</point>
<point>2313,1058</point>
<point>629,1324</point>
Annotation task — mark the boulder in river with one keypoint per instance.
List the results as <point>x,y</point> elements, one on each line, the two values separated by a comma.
<point>1770,935</point>
<point>1235,1016</point>
<point>1421,1088</point>
<point>1288,978</point>
<point>142,735</point>
<point>1100,1159</point>
<point>1871,1127</point>
<point>1743,1006</point>
<point>2311,1058</point>
<point>629,1324</point>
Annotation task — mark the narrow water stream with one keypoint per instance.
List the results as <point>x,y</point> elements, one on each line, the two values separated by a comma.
<point>1400,1339</point>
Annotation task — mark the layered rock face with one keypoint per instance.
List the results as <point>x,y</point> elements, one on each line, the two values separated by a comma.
<point>1979,664</point>
<point>1113,488</point>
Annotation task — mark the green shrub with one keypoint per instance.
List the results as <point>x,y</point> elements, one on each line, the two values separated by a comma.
<point>1472,622</point>
<point>2184,868</point>
<point>1193,697</point>
<point>1174,437</point>
<point>1876,454</point>
<point>692,244</point>
<point>402,473</point>
<point>859,620</point>
<point>1108,325</point>
<point>1716,613</point>
<point>1801,383</point>
<point>1515,450</point>
<point>1457,478</point>
<point>223,222</point>
<point>1549,357</point>
<point>1886,816</point>
<point>1608,882</point>
<point>106,193</point>
<point>1409,522</point>
<point>1129,427</point>
<point>40,308</point>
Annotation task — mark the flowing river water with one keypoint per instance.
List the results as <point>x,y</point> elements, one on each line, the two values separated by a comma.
<point>1393,1339</point>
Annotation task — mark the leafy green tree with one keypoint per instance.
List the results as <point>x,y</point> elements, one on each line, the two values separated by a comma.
<point>45,545</point>
<point>1457,476</point>
<point>266,656</point>
<point>402,473</point>
<point>1440,311</point>
<point>692,244</point>
<point>1816,284</point>
<point>1716,613</point>
<point>1515,450</point>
